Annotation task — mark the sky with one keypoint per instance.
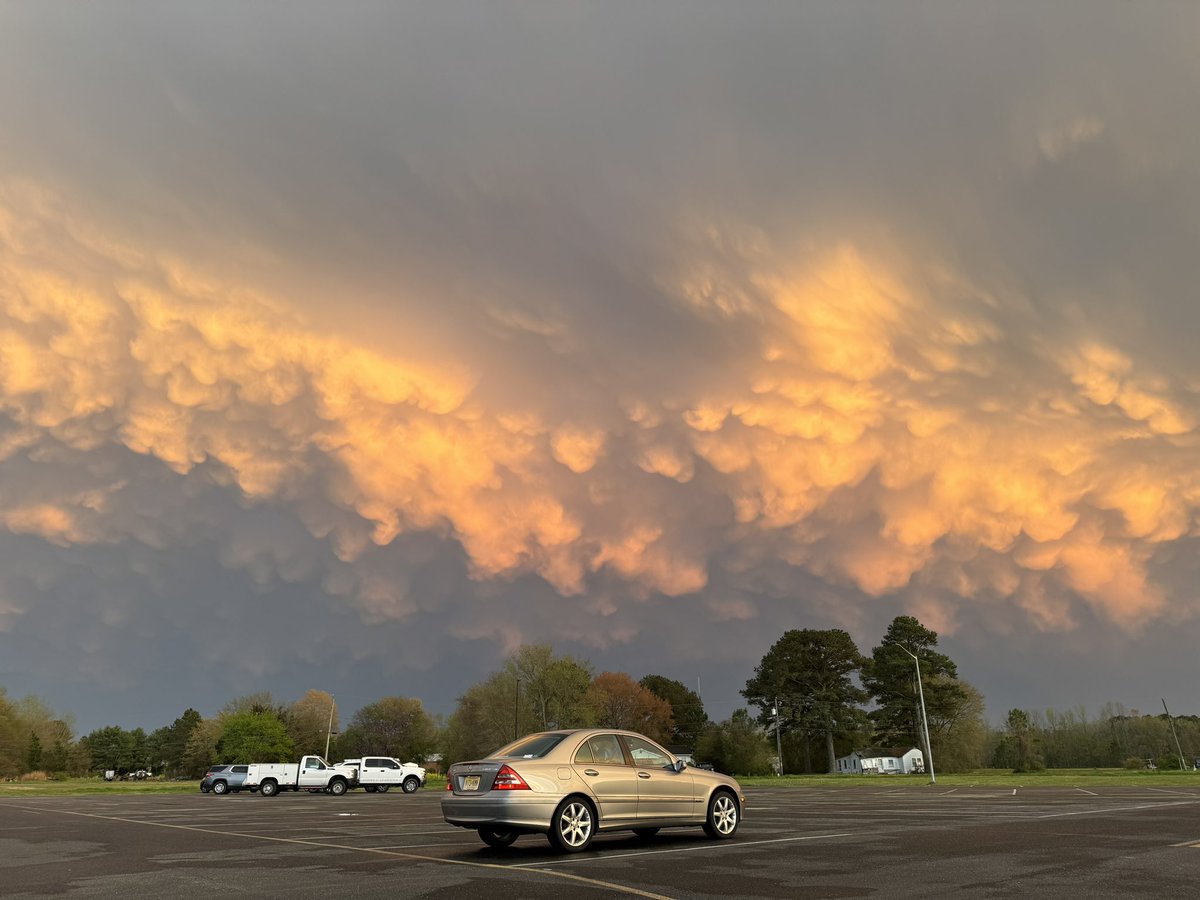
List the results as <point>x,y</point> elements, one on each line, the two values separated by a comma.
<point>352,346</point>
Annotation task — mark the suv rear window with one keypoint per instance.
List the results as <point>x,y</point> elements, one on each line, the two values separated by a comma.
<point>534,747</point>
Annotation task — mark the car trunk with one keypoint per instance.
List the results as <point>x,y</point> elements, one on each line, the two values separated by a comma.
<point>472,778</point>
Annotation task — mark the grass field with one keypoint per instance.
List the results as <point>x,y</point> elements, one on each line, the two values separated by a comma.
<point>980,778</point>
<point>993,778</point>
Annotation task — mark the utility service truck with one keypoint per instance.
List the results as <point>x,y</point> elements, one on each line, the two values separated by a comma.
<point>310,774</point>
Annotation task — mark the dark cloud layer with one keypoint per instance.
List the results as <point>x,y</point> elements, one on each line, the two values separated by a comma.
<point>348,348</point>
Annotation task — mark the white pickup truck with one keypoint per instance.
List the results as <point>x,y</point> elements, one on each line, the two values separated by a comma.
<point>378,773</point>
<point>310,774</point>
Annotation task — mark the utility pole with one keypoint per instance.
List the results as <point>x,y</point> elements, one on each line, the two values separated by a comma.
<point>778,742</point>
<point>517,708</point>
<point>329,729</point>
<point>1171,722</point>
<point>924,718</point>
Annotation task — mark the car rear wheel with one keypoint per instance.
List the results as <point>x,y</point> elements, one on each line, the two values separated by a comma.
<point>645,832</point>
<point>268,789</point>
<point>498,837</point>
<point>723,818</point>
<point>411,783</point>
<point>573,825</point>
<point>204,789</point>
<point>370,789</point>
<point>219,787</point>
<point>383,788</point>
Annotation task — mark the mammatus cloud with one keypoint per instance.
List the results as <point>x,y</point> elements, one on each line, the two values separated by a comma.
<point>891,429</point>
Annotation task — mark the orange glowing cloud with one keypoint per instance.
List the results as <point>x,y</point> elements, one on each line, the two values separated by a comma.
<point>877,436</point>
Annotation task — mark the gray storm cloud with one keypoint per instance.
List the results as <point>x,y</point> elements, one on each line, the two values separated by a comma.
<point>421,314</point>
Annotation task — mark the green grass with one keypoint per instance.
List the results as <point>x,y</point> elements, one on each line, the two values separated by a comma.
<point>81,786</point>
<point>980,778</point>
<point>75,787</point>
<point>990,778</point>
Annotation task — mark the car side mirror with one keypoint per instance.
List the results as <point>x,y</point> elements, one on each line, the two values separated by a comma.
<point>679,766</point>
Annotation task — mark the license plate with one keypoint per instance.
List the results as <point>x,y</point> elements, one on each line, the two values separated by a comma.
<point>470,782</point>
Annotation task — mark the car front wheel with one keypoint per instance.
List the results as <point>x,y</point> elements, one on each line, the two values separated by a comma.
<point>337,787</point>
<point>723,818</point>
<point>411,783</point>
<point>573,825</point>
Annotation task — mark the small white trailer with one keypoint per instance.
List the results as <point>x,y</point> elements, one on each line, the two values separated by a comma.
<point>310,774</point>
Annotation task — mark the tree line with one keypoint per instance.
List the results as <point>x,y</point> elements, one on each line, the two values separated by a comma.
<point>817,697</point>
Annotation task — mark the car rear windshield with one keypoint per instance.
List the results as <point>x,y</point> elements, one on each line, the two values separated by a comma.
<point>534,747</point>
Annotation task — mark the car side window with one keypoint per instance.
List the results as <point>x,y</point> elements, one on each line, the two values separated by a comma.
<point>390,764</point>
<point>647,754</point>
<point>374,763</point>
<point>583,756</point>
<point>241,770</point>
<point>606,750</point>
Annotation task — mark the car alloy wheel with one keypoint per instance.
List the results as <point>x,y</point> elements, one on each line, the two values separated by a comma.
<point>573,825</point>
<point>722,819</point>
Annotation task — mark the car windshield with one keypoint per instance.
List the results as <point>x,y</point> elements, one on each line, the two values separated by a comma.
<point>533,747</point>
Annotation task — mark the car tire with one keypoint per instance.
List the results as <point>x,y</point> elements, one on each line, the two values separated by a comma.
<point>645,832</point>
<point>337,787</point>
<point>573,825</point>
<point>411,783</point>
<point>383,788</point>
<point>204,789</point>
<point>499,838</point>
<point>724,817</point>
<point>220,787</point>
<point>268,789</point>
<point>370,788</point>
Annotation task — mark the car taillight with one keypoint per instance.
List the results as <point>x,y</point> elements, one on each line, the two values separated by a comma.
<point>449,783</point>
<point>508,780</point>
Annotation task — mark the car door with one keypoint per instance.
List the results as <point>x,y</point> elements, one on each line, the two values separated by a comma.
<point>663,793</point>
<point>600,763</point>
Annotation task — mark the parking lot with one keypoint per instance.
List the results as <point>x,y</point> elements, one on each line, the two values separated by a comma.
<point>878,840</point>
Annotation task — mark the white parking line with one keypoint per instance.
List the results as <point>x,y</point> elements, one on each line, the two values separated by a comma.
<point>1081,790</point>
<point>707,847</point>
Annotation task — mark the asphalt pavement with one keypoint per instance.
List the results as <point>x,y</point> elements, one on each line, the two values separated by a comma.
<point>870,841</point>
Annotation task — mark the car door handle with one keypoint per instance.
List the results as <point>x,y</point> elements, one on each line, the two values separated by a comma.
<point>590,772</point>
<point>643,774</point>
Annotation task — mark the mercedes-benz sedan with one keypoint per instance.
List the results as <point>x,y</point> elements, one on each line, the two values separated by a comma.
<point>570,785</point>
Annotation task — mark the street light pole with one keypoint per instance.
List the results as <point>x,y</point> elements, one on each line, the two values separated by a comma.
<point>516,708</point>
<point>778,743</point>
<point>329,729</point>
<point>924,718</point>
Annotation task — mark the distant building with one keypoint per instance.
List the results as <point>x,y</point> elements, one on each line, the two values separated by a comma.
<point>896,761</point>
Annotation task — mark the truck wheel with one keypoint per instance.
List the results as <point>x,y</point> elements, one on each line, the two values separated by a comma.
<point>411,783</point>
<point>219,787</point>
<point>337,787</point>
<point>369,788</point>
<point>268,788</point>
<point>383,788</point>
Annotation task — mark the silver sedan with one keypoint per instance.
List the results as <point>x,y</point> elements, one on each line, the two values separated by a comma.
<point>569,785</point>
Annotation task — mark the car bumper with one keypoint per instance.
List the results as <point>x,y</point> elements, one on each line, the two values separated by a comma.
<point>526,810</point>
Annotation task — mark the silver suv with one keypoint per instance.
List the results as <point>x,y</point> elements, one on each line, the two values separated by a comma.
<point>223,779</point>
